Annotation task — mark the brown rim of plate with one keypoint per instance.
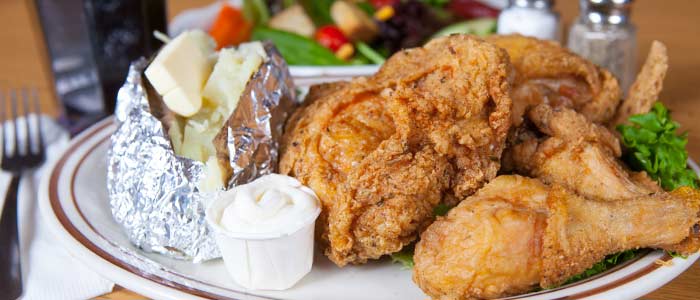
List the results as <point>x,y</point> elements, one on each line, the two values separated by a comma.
<point>85,242</point>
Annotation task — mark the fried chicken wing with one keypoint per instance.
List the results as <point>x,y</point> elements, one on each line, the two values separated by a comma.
<point>381,152</point>
<point>517,233</point>
<point>548,73</point>
<point>576,153</point>
<point>646,88</point>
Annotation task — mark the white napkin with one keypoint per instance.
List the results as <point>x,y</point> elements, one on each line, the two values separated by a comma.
<point>48,271</point>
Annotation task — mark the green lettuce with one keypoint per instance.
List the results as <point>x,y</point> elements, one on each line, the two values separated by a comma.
<point>655,147</point>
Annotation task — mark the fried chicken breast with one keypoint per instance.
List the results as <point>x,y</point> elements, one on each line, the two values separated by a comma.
<point>548,73</point>
<point>517,233</point>
<point>381,152</point>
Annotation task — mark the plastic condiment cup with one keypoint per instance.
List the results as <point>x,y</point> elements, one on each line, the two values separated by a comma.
<point>262,261</point>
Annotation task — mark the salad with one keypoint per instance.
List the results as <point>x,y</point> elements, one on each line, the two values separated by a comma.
<point>344,32</point>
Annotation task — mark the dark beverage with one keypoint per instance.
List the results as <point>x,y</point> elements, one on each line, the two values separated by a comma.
<point>121,31</point>
<point>91,44</point>
<point>74,71</point>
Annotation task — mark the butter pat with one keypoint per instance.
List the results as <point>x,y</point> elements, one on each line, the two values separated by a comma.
<point>183,102</point>
<point>180,70</point>
<point>203,92</point>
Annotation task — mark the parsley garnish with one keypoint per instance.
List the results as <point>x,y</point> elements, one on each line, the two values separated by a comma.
<point>656,148</point>
<point>441,209</point>
<point>604,265</point>
<point>404,257</point>
<point>676,255</point>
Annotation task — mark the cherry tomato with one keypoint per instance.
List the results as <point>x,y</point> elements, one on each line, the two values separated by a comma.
<point>330,37</point>
<point>381,3</point>
<point>472,9</point>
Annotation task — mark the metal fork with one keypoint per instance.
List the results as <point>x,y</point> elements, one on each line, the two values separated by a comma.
<point>16,159</point>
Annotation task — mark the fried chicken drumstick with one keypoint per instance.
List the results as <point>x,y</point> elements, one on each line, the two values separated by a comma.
<point>517,233</point>
<point>381,152</point>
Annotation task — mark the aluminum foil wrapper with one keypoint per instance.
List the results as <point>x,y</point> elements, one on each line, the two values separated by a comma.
<point>154,193</point>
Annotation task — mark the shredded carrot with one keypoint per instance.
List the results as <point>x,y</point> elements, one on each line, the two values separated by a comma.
<point>230,27</point>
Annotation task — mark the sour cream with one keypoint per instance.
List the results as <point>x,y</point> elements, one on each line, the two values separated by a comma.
<point>265,231</point>
<point>272,204</point>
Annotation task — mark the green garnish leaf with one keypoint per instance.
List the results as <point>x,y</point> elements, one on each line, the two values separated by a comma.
<point>676,255</point>
<point>404,257</point>
<point>441,209</point>
<point>609,262</point>
<point>656,148</point>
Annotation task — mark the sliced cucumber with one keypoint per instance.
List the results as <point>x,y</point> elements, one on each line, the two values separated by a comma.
<point>480,27</point>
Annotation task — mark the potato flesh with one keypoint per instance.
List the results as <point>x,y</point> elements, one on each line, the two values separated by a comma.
<point>221,94</point>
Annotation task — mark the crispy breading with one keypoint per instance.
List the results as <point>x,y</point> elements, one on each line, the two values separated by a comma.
<point>517,233</point>
<point>646,88</point>
<point>548,73</point>
<point>381,152</point>
<point>576,153</point>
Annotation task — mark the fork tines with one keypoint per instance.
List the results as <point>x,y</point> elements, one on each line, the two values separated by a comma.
<point>27,150</point>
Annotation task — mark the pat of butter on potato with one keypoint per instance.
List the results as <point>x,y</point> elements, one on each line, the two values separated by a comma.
<point>203,87</point>
<point>180,70</point>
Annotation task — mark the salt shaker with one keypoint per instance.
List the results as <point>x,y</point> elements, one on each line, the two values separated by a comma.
<point>534,18</point>
<point>605,35</point>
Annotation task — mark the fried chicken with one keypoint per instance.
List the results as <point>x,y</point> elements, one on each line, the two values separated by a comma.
<point>577,154</point>
<point>646,88</point>
<point>517,233</point>
<point>381,152</point>
<point>565,145</point>
<point>548,73</point>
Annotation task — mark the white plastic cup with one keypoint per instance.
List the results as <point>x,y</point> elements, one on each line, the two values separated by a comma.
<point>264,261</point>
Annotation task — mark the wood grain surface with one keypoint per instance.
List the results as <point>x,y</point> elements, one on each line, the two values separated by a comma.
<point>23,63</point>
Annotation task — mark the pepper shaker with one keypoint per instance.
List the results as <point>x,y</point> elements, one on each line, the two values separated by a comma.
<point>534,18</point>
<point>605,35</point>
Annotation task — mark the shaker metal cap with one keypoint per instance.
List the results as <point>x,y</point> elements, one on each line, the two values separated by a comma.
<point>611,12</point>
<point>605,4</point>
<point>539,4</point>
<point>610,2</point>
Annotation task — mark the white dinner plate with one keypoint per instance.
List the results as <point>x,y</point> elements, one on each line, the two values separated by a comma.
<point>74,201</point>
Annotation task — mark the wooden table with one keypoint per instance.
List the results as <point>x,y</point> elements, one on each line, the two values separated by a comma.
<point>23,62</point>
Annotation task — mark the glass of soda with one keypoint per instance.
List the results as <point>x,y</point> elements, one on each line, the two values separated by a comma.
<point>121,31</point>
